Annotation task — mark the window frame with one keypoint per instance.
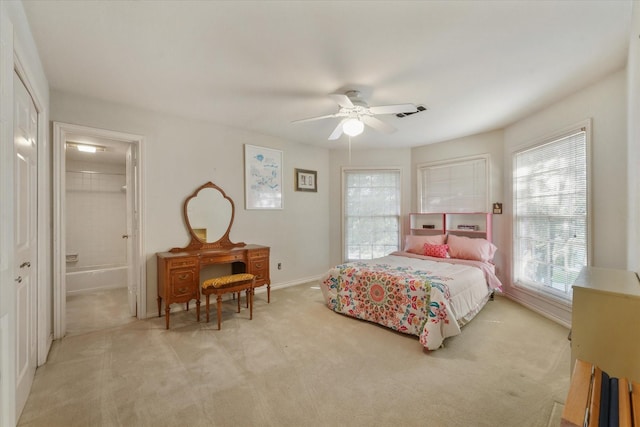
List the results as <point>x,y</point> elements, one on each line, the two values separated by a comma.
<point>454,162</point>
<point>533,288</point>
<point>344,172</point>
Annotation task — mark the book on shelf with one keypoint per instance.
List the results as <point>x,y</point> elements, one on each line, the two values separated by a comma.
<point>604,400</point>
<point>614,402</point>
<point>596,390</point>
<point>596,399</point>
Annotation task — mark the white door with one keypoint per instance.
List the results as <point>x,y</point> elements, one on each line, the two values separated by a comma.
<point>131,235</point>
<point>25,177</point>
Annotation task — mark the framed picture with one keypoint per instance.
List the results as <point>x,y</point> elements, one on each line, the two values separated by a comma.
<point>262,177</point>
<point>306,180</point>
<point>497,208</point>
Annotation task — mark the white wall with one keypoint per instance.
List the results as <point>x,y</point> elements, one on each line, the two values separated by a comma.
<point>490,143</point>
<point>605,103</point>
<point>179,155</point>
<point>400,158</point>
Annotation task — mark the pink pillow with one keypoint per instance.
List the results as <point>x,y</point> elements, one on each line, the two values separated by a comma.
<point>467,248</point>
<point>415,244</point>
<point>438,251</point>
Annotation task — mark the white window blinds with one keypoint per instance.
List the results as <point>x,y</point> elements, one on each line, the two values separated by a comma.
<point>550,214</point>
<point>454,187</point>
<point>371,209</point>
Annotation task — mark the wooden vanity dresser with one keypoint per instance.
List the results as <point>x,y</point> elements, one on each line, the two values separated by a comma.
<point>179,268</point>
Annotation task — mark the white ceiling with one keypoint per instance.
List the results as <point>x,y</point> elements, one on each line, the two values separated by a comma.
<point>258,65</point>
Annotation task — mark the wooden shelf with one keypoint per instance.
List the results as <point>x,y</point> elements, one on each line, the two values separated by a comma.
<point>448,222</point>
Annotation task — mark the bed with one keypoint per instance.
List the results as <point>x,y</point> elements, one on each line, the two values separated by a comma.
<point>430,289</point>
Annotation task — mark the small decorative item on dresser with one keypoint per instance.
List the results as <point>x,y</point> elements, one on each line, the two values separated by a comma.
<point>429,226</point>
<point>306,180</point>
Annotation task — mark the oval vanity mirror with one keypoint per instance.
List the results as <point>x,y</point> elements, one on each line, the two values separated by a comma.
<point>209,213</point>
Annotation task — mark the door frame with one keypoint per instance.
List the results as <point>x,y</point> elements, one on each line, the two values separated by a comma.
<point>60,132</point>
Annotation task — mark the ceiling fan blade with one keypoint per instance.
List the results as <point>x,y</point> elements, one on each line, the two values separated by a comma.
<point>394,109</point>
<point>342,100</point>
<point>378,124</point>
<point>337,132</point>
<point>310,119</point>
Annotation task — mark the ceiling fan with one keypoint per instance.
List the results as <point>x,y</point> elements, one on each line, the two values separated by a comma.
<point>356,113</point>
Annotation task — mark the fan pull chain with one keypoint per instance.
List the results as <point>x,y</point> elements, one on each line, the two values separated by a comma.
<point>349,149</point>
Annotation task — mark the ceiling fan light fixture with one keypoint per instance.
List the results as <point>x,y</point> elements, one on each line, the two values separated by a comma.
<point>353,127</point>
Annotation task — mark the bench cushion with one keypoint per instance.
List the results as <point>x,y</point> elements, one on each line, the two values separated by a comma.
<point>222,281</point>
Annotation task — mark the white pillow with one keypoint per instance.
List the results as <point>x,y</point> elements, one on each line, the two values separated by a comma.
<point>415,244</point>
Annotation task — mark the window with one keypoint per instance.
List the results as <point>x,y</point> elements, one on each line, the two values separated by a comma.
<point>459,186</point>
<point>371,212</point>
<point>550,214</point>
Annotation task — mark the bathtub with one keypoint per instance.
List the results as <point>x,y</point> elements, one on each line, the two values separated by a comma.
<point>95,278</point>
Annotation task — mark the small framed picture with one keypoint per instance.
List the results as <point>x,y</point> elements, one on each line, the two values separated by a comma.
<point>306,180</point>
<point>497,208</point>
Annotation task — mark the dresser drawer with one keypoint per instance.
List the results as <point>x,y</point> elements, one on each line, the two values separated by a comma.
<point>258,253</point>
<point>182,262</point>
<point>260,268</point>
<point>221,259</point>
<point>259,264</point>
<point>183,283</point>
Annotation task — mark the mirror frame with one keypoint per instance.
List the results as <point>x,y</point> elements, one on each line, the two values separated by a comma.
<point>196,244</point>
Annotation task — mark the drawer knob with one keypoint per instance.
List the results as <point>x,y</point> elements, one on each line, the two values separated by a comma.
<point>183,276</point>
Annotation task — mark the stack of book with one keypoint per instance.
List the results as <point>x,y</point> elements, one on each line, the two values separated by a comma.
<point>595,399</point>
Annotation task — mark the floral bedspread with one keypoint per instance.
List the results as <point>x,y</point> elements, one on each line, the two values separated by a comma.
<point>394,294</point>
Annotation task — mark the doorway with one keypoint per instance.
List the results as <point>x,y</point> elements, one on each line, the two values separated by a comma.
<point>98,274</point>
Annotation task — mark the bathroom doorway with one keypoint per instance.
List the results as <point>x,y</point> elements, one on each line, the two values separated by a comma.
<point>98,191</point>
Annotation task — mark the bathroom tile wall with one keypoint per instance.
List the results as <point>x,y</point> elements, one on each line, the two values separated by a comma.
<point>95,218</point>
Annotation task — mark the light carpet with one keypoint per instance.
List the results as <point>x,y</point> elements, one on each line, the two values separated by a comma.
<point>298,363</point>
<point>96,310</point>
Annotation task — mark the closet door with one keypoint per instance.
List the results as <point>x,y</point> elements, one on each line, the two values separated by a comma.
<point>25,234</point>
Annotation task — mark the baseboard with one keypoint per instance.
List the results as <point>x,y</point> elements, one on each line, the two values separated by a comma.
<point>283,285</point>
